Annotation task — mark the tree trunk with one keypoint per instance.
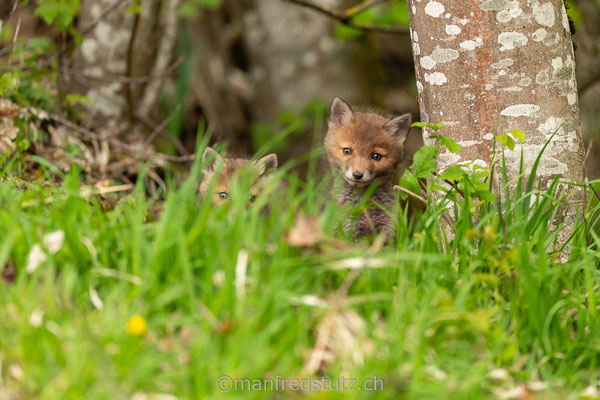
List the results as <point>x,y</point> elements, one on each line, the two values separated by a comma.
<point>117,45</point>
<point>296,58</point>
<point>487,67</point>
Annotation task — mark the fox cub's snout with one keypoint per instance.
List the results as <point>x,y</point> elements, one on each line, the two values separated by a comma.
<point>227,170</point>
<point>364,145</point>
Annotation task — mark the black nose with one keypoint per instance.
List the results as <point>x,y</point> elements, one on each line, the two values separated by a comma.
<point>357,175</point>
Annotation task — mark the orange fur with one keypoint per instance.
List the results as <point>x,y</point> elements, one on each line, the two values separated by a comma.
<point>365,148</point>
<point>227,170</point>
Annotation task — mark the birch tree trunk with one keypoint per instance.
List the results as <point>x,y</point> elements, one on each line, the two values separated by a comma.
<point>487,67</point>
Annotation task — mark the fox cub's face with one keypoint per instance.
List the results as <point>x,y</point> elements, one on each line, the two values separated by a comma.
<point>227,170</point>
<point>363,145</point>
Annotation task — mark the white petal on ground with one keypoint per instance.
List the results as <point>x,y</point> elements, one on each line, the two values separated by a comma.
<point>35,258</point>
<point>36,318</point>
<point>500,374</point>
<point>54,241</point>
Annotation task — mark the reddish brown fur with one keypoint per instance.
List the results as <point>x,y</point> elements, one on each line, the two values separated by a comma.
<point>352,141</point>
<point>365,134</point>
<point>229,169</point>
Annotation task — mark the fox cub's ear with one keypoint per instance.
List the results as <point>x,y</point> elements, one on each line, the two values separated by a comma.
<point>340,114</point>
<point>213,158</point>
<point>400,126</point>
<point>266,164</point>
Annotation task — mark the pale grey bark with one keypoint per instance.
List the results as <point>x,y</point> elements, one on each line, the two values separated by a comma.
<point>487,67</point>
<point>108,51</point>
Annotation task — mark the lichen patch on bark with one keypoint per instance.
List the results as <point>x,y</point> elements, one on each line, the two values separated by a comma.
<point>492,66</point>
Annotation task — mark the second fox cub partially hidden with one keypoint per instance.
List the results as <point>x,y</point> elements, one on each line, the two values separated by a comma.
<point>365,148</point>
<point>227,169</point>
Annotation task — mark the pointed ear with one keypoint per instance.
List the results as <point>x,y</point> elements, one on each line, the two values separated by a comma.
<point>340,114</point>
<point>213,158</point>
<point>265,164</point>
<point>400,126</point>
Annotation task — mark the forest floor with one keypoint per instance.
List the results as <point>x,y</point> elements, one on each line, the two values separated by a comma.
<point>127,296</point>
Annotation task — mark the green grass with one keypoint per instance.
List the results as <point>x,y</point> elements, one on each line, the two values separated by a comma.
<point>432,321</point>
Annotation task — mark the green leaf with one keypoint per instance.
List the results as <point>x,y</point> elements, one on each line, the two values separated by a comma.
<point>486,195</point>
<point>134,9</point>
<point>480,174</point>
<point>345,32</point>
<point>453,173</point>
<point>518,134</point>
<point>424,161</point>
<point>448,143</point>
<point>410,182</point>
<point>23,144</point>
<point>430,126</point>
<point>574,12</point>
<point>8,82</point>
<point>58,12</point>
<point>506,140</point>
<point>189,8</point>
<point>398,13</point>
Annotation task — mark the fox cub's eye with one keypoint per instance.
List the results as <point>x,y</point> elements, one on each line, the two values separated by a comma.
<point>376,156</point>
<point>251,198</point>
<point>347,151</point>
<point>223,195</point>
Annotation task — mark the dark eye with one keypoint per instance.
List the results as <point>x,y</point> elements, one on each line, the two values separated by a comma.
<point>251,198</point>
<point>347,151</point>
<point>223,195</point>
<point>376,156</point>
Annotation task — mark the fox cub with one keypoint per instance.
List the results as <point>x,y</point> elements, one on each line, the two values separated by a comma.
<point>365,148</point>
<point>230,168</point>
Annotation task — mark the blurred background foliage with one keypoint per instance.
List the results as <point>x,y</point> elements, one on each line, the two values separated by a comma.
<point>150,72</point>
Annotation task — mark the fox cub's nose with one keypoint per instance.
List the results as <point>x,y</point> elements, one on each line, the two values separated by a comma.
<point>357,175</point>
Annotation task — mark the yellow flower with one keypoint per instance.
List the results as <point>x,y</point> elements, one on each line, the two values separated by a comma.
<point>137,326</point>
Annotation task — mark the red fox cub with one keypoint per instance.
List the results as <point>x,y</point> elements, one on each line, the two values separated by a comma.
<point>228,168</point>
<point>365,148</point>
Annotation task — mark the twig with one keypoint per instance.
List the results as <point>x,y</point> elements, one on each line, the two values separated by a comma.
<point>163,55</point>
<point>84,192</point>
<point>59,67</point>
<point>354,11</point>
<point>161,129</point>
<point>133,80</point>
<point>41,114</point>
<point>454,186</point>
<point>587,155</point>
<point>10,48</point>
<point>128,92</point>
<point>47,62</point>
<point>105,14</point>
<point>346,17</point>
<point>156,178</point>
<point>411,194</point>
